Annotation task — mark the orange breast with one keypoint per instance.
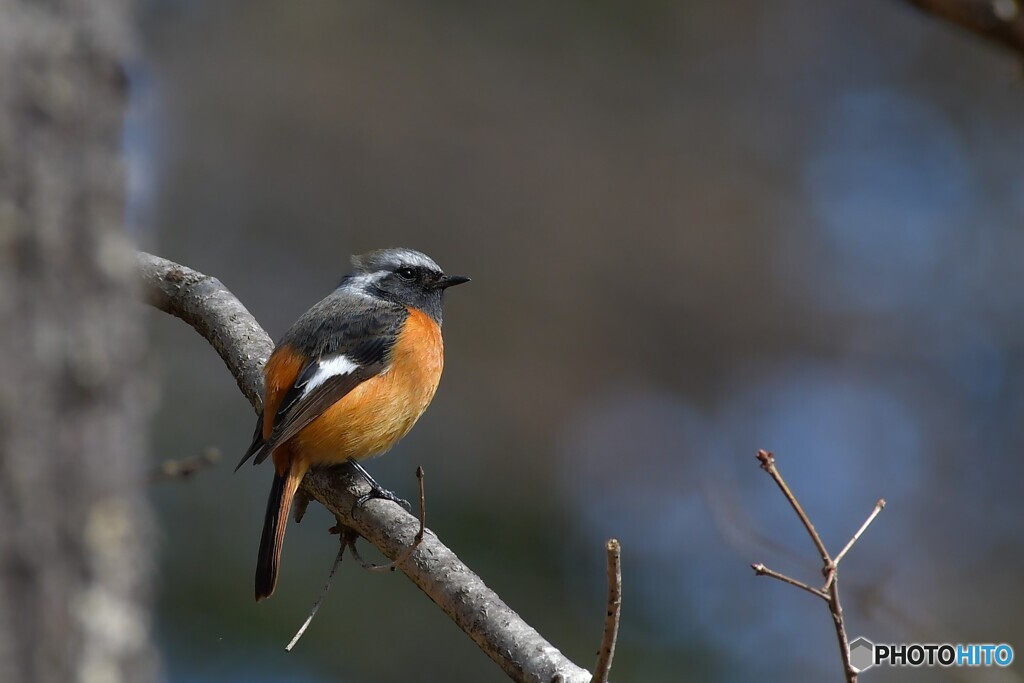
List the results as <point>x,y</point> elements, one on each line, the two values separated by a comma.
<point>376,414</point>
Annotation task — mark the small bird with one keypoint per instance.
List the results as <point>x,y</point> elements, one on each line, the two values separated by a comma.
<point>348,381</point>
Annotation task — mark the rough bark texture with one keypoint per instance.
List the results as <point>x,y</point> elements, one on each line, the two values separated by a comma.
<point>502,634</point>
<point>74,549</point>
<point>214,312</point>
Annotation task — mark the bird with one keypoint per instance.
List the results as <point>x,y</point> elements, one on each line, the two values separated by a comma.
<point>348,380</point>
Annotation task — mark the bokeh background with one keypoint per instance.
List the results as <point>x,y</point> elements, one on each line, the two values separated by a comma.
<point>694,230</point>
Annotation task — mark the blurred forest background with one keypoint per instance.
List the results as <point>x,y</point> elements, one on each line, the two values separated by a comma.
<point>694,230</point>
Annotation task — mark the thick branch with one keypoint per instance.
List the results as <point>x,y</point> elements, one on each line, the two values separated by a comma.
<point>205,304</point>
<point>214,312</point>
<point>1000,21</point>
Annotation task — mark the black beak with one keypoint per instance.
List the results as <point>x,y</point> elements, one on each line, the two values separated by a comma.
<point>451,280</point>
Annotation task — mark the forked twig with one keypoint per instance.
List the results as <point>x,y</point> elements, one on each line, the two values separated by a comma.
<point>830,592</point>
<point>611,621</point>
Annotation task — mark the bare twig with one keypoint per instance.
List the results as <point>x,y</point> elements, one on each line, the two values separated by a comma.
<point>768,465</point>
<point>1000,21</point>
<point>611,620</point>
<point>185,467</point>
<point>323,593</point>
<point>836,608</point>
<point>830,592</point>
<point>879,506</point>
<point>407,553</point>
<point>498,631</point>
<point>762,570</point>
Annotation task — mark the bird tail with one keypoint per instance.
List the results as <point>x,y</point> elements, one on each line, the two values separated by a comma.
<point>268,562</point>
<point>257,445</point>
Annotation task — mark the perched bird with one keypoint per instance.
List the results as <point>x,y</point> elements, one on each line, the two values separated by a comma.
<point>348,380</point>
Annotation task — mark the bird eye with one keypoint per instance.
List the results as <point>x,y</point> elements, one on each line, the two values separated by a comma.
<point>406,273</point>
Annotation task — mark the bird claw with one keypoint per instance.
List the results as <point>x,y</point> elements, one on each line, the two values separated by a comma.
<point>383,494</point>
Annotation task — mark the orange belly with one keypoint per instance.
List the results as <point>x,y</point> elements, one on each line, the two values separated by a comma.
<point>377,413</point>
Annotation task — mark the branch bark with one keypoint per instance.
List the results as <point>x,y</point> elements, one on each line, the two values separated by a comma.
<point>214,312</point>
<point>611,622</point>
<point>205,304</point>
<point>1000,21</point>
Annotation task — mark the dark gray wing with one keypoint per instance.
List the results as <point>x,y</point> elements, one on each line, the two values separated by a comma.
<point>336,336</point>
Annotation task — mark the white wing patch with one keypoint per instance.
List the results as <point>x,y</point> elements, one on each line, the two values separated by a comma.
<point>329,367</point>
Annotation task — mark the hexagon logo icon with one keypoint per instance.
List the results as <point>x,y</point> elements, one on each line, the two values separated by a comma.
<point>862,654</point>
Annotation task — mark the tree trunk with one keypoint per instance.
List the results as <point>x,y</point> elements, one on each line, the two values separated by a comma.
<point>75,554</point>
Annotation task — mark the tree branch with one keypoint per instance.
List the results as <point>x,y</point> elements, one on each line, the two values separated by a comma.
<point>1000,21</point>
<point>611,621</point>
<point>214,312</point>
<point>205,304</point>
<point>830,568</point>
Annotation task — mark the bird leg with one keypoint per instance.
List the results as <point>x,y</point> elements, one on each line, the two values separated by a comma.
<point>376,490</point>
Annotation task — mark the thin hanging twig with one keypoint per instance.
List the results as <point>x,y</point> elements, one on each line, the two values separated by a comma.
<point>323,592</point>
